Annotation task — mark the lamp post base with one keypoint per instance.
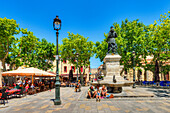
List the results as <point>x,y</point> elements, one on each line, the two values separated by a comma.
<point>57,102</point>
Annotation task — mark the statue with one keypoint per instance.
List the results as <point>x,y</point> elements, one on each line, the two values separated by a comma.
<point>112,46</point>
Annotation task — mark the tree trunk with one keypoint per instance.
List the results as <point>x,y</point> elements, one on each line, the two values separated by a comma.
<point>0,75</point>
<point>145,75</point>
<point>81,77</point>
<point>3,65</point>
<point>164,77</point>
<point>84,74</point>
<point>156,72</point>
<point>138,75</point>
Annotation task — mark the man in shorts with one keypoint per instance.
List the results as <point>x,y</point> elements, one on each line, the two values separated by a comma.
<point>91,92</point>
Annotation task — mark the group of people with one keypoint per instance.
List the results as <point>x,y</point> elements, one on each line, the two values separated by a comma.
<point>98,93</point>
<point>27,84</point>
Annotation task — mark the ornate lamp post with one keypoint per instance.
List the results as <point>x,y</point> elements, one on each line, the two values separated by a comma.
<point>57,27</point>
<point>133,60</point>
<point>77,66</point>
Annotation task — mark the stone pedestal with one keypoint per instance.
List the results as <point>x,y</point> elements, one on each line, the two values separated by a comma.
<point>112,80</point>
<point>112,64</point>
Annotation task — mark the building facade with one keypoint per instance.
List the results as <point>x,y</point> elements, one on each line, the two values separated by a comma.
<point>66,66</point>
<point>145,75</point>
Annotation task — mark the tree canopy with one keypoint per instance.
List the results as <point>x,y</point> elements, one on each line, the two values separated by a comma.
<point>8,28</point>
<point>145,40</point>
<point>77,44</point>
<point>27,50</point>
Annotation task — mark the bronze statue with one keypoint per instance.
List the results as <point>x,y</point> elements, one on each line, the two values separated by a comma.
<point>112,46</point>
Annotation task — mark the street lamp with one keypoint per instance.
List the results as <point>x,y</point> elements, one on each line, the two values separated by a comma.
<point>133,60</point>
<point>77,66</point>
<point>57,27</point>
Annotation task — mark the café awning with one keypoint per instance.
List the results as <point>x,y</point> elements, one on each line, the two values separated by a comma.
<point>28,72</point>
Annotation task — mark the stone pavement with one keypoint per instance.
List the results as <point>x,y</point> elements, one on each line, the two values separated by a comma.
<point>73,102</point>
<point>128,92</point>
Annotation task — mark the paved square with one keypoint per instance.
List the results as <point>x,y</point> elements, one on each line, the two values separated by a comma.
<point>73,102</point>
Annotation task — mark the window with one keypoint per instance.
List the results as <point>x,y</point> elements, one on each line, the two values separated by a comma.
<point>73,68</point>
<point>81,68</point>
<point>65,69</point>
<point>64,61</point>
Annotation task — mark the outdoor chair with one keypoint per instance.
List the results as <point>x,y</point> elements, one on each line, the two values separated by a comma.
<point>4,97</point>
<point>22,92</point>
<point>162,83</point>
<point>2,90</point>
<point>151,83</point>
<point>167,83</point>
<point>144,83</point>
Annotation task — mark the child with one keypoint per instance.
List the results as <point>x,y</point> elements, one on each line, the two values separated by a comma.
<point>98,96</point>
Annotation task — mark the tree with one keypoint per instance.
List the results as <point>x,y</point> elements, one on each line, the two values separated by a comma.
<point>45,54</point>
<point>159,45</point>
<point>77,44</point>
<point>8,28</point>
<point>23,50</point>
<point>131,37</point>
<point>29,51</point>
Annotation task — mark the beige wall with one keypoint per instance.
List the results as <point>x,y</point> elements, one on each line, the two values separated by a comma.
<point>149,75</point>
<point>93,72</point>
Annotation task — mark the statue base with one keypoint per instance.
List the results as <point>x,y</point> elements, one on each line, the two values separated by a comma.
<point>113,68</point>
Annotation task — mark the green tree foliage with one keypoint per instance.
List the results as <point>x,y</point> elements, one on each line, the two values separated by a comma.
<point>23,50</point>
<point>77,44</point>
<point>31,52</point>
<point>150,40</point>
<point>101,49</point>
<point>131,37</point>
<point>8,28</point>
<point>26,50</point>
<point>45,55</point>
<point>159,45</point>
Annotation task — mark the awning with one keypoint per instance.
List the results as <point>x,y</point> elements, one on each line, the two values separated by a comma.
<point>28,72</point>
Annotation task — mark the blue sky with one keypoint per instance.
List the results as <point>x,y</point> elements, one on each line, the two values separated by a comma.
<point>90,18</point>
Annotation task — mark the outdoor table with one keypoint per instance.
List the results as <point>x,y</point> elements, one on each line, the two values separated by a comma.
<point>12,91</point>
